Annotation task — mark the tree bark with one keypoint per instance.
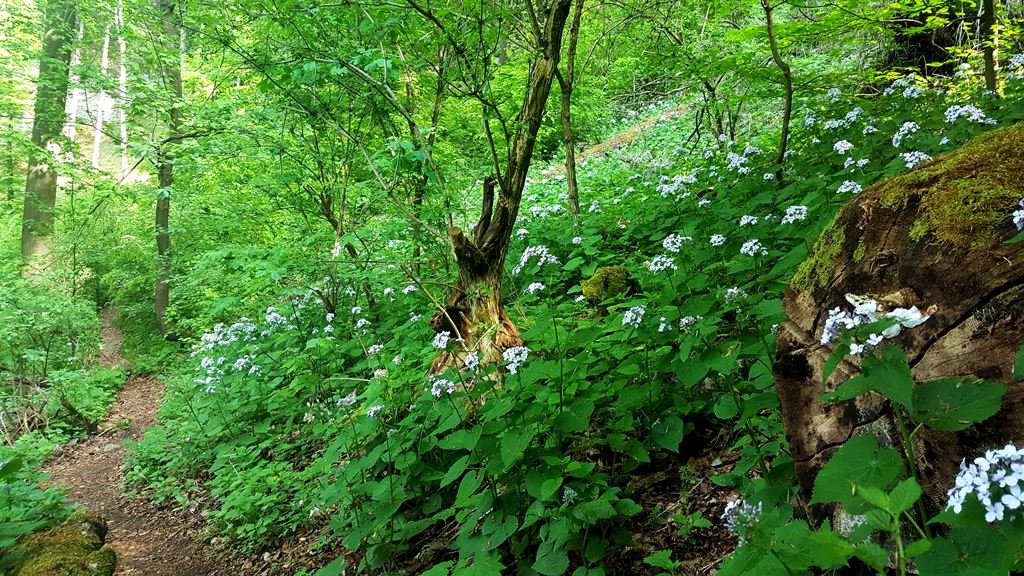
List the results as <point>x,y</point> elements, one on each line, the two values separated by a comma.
<point>51,99</point>
<point>567,83</point>
<point>474,311</point>
<point>122,85</point>
<point>71,128</point>
<point>101,100</point>
<point>165,163</point>
<point>989,43</point>
<point>787,86</point>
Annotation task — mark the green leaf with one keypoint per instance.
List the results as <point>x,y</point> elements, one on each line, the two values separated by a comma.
<point>859,462</point>
<point>455,471</point>
<point>549,487</point>
<point>726,408</point>
<point>903,496</point>
<point>952,404</point>
<point>514,443</point>
<point>668,432</point>
<point>552,560</point>
<point>917,548</point>
<point>1018,365</point>
<point>661,559</point>
<point>338,565</point>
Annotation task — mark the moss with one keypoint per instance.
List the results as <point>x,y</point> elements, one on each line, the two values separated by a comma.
<point>606,282</point>
<point>75,548</point>
<point>966,195</point>
<point>858,254</point>
<point>817,269</point>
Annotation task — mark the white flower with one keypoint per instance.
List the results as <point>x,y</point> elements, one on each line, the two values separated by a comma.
<point>330,317</point>
<point>717,240</point>
<point>255,370</point>
<point>906,129</point>
<point>347,400</point>
<point>856,349</point>
<point>663,325</point>
<point>441,339</point>
<point>471,361</point>
<point>673,242</point>
<point>733,294</point>
<point>753,247</point>
<point>540,253</point>
<point>441,386</point>
<point>633,316</point>
<point>833,94</point>
<point>534,287</point>
<point>577,240</point>
<point>1018,216</point>
<point>869,129</point>
<point>409,288</point>
<point>842,147</point>
<point>660,263</point>
<point>914,158</point>
<point>748,220</point>
<point>594,207</point>
<point>741,518</point>
<point>703,202</point>
<point>414,317</point>
<point>396,360</point>
<point>514,357</point>
<point>372,411</point>
<point>687,321</point>
<point>373,350</point>
<point>361,323</point>
<point>850,187</point>
<point>356,310</point>
<point>972,113</point>
<point>794,214</point>
<point>768,176</point>
<point>380,373</point>
<point>522,232</point>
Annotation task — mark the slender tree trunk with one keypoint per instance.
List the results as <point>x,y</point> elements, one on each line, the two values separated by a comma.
<point>122,85</point>
<point>51,98</point>
<point>990,43</point>
<point>165,162</point>
<point>419,195</point>
<point>473,310</point>
<point>101,105</point>
<point>71,128</point>
<point>567,83</point>
<point>787,86</point>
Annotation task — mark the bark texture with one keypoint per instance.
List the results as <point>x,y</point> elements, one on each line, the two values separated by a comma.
<point>51,98</point>
<point>936,235</point>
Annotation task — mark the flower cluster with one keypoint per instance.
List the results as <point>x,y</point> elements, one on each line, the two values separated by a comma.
<point>514,357</point>
<point>849,187</point>
<point>717,240</point>
<point>660,263</point>
<point>972,113</point>
<point>794,214</point>
<point>441,339</point>
<point>633,316</point>
<point>867,310</point>
<point>673,242</point>
<point>996,480</point>
<point>741,517</point>
<point>540,253</point>
<point>534,287</point>
<point>439,386</point>
<point>748,220</point>
<point>1018,216</point>
<point>842,147</point>
<point>906,129</point>
<point>914,158</point>
<point>753,247</point>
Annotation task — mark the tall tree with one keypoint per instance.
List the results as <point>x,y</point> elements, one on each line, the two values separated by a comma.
<point>51,98</point>
<point>169,11</point>
<point>989,44</point>
<point>122,84</point>
<point>566,82</point>
<point>101,99</point>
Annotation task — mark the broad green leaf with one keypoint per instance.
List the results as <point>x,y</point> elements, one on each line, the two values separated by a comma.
<point>952,404</point>
<point>1018,365</point>
<point>552,560</point>
<point>455,471</point>
<point>859,462</point>
<point>904,495</point>
<point>726,408</point>
<point>514,443</point>
<point>661,559</point>
<point>668,432</point>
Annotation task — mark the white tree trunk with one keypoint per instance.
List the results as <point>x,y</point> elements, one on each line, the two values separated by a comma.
<point>71,126</point>
<point>101,106</point>
<point>122,85</point>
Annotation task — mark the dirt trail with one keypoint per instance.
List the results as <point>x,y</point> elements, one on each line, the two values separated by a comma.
<point>149,541</point>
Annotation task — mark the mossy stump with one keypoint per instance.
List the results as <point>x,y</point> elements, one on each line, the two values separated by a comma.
<point>607,282</point>
<point>75,548</point>
<point>935,235</point>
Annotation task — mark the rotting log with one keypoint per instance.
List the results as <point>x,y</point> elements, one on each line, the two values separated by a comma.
<point>938,235</point>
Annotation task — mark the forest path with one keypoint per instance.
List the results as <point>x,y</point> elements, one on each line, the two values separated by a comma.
<point>149,541</point>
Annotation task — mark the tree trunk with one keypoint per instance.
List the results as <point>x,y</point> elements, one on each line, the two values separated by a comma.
<point>989,43</point>
<point>567,83</point>
<point>474,311</point>
<point>71,128</point>
<point>51,98</point>
<point>961,266</point>
<point>122,85</point>
<point>101,98</point>
<point>165,163</point>
<point>787,86</point>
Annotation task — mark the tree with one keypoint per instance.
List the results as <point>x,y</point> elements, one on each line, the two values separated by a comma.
<point>51,98</point>
<point>566,82</point>
<point>171,75</point>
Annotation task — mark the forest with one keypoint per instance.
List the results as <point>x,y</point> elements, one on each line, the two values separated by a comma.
<point>538,287</point>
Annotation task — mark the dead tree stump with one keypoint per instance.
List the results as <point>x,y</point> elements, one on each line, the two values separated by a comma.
<point>937,234</point>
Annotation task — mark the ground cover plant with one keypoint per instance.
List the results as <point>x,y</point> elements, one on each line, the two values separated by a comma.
<point>406,315</point>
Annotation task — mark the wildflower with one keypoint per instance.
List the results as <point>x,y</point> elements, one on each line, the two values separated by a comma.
<point>373,350</point>
<point>1018,216</point>
<point>396,360</point>
<point>441,339</point>
<point>912,92</point>
<point>842,147</point>
<point>794,214</point>
<point>372,411</point>
<point>534,287</point>
<point>240,364</point>
<point>471,361</point>
<point>741,517</point>
<point>594,207</point>
<point>905,130</point>
<point>409,288</point>
<point>673,242</point>
<point>633,316</point>
<point>850,187</point>
<point>809,119</point>
<point>733,294</point>
<point>522,232</point>
<point>413,317</point>
<point>347,400</point>
<point>833,94</point>
<point>703,202</point>
<point>514,357</point>
<point>914,158</point>
<point>747,220</point>
<point>540,253</point>
<point>853,115</point>
<point>328,329</point>
<point>580,298</point>
<point>972,113</point>
<point>663,325</point>
<point>361,323</point>
<point>577,240</point>
<point>769,176</point>
<point>753,247</point>
<point>687,321</point>
<point>356,310</point>
<point>660,263</point>
<point>210,389</point>
<point>717,240</point>
<point>441,386</point>
<point>735,161</point>
<point>388,291</point>
<point>869,129</point>
<point>995,479</point>
<point>329,317</point>
<point>856,349</point>
<point>255,370</point>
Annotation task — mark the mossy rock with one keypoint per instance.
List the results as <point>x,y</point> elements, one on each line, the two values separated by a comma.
<point>75,548</point>
<point>607,282</point>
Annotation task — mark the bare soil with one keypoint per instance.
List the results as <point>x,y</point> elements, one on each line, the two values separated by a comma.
<point>149,540</point>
